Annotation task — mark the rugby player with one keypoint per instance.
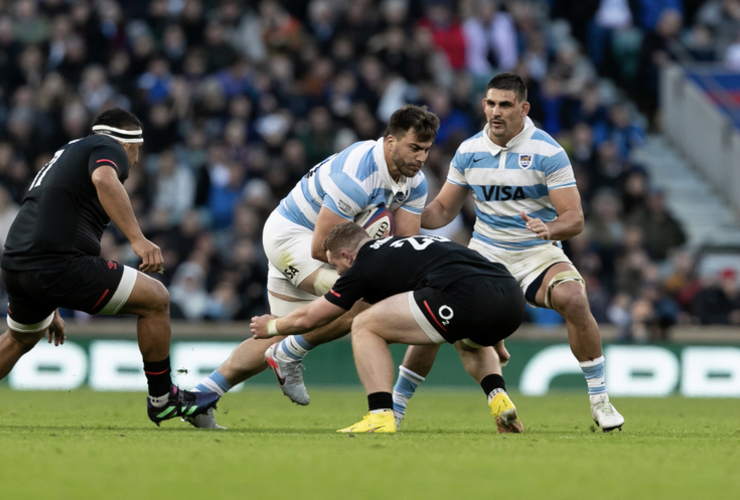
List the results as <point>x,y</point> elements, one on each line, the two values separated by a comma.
<point>427,290</point>
<point>365,175</point>
<point>526,202</point>
<point>52,259</point>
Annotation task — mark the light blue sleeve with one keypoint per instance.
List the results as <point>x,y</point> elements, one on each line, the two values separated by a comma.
<point>344,196</point>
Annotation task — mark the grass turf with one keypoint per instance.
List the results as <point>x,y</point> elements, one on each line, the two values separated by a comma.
<point>87,445</point>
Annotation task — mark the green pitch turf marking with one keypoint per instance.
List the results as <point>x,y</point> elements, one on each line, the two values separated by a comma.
<point>88,445</point>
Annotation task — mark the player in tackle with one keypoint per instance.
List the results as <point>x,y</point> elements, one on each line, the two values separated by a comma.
<point>426,290</point>
<point>365,175</point>
<point>526,202</point>
<point>52,259</point>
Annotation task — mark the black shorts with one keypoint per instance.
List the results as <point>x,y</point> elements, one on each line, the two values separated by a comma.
<point>480,308</point>
<point>87,284</point>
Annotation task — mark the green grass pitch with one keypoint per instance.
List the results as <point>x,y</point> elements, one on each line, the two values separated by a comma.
<point>87,445</point>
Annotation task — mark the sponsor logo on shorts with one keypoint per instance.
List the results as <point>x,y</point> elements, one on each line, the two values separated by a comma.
<point>446,313</point>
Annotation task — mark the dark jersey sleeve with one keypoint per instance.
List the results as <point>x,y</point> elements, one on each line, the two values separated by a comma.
<point>348,289</point>
<point>109,154</point>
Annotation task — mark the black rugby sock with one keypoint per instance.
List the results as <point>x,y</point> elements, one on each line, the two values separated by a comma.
<point>380,401</point>
<point>492,382</point>
<point>158,377</point>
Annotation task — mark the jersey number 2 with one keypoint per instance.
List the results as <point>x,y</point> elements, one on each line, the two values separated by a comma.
<point>45,170</point>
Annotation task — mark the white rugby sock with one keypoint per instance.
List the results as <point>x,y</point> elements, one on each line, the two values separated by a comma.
<point>405,387</point>
<point>593,370</point>
<point>295,346</point>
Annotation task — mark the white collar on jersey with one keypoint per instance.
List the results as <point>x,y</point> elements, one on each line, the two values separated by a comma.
<point>379,155</point>
<point>518,139</point>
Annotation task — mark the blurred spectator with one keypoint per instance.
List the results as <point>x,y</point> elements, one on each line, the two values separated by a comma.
<point>446,31</point>
<point>718,303</point>
<point>490,39</point>
<point>662,232</point>
<point>624,133</point>
<point>175,187</point>
<point>654,54</point>
<point>188,291</point>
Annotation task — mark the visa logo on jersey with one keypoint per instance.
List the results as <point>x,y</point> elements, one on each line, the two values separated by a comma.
<point>502,193</point>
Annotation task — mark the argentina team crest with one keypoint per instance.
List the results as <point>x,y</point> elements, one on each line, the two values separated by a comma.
<point>525,160</point>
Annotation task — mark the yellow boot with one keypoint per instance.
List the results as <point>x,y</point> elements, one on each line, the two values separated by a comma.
<point>374,422</point>
<point>504,411</point>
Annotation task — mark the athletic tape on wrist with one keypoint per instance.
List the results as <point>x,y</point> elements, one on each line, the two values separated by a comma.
<point>272,328</point>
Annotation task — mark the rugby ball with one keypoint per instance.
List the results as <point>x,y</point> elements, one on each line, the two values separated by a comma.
<point>378,222</point>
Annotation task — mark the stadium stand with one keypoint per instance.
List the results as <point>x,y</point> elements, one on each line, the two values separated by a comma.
<point>240,98</point>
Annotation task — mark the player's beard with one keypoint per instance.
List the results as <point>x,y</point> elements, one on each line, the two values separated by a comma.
<point>406,169</point>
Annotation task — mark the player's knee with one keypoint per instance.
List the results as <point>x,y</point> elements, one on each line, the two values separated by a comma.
<point>361,323</point>
<point>25,341</point>
<point>160,298</point>
<point>569,299</point>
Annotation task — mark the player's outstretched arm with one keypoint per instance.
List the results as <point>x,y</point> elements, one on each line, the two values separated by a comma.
<point>569,222</point>
<point>318,313</point>
<point>115,201</point>
<point>445,207</point>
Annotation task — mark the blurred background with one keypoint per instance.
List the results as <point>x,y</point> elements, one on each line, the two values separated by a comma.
<point>240,98</point>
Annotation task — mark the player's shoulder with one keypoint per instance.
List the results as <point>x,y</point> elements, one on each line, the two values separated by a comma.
<point>472,144</point>
<point>357,159</point>
<point>542,143</point>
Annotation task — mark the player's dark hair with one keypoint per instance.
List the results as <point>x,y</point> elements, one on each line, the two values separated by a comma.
<point>345,236</point>
<point>509,81</point>
<point>118,118</point>
<point>424,123</point>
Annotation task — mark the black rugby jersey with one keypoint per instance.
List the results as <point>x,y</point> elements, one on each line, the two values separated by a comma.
<point>61,216</point>
<point>394,265</point>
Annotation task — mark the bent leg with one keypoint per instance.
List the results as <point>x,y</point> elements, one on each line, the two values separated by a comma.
<point>420,358</point>
<point>478,362</point>
<point>569,299</point>
<point>20,338</point>
<point>150,301</point>
<point>371,335</point>
<point>247,360</point>
<point>13,345</point>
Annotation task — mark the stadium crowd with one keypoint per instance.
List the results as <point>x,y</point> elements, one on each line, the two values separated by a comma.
<point>240,98</point>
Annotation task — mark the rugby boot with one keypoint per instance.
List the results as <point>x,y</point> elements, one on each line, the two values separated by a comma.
<point>604,413</point>
<point>505,413</point>
<point>289,373</point>
<point>205,420</point>
<point>181,404</point>
<point>382,421</point>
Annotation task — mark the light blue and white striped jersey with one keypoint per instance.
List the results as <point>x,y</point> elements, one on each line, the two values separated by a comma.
<point>507,180</point>
<point>350,182</point>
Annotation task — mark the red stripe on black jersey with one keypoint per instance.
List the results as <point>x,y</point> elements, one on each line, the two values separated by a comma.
<point>109,161</point>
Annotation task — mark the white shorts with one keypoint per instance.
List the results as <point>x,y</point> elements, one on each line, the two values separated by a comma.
<point>288,249</point>
<point>525,265</point>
